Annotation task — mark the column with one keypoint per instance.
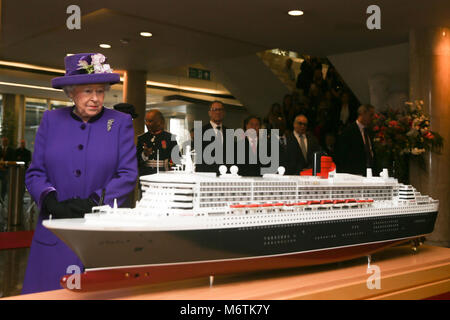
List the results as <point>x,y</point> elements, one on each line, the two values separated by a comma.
<point>430,82</point>
<point>13,123</point>
<point>134,92</point>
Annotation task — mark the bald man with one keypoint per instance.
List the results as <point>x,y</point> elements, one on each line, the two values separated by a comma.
<point>149,143</point>
<point>301,146</point>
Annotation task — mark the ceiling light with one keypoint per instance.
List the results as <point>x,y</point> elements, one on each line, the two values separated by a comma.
<point>105,46</point>
<point>295,13</point>
<point>146,34</point>
<point>22,85</point>
<point>29,66</point>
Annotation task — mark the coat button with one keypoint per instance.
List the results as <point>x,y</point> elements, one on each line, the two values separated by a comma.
<point>83,126</point>
<point>77,173</point>
<point>80,147</point>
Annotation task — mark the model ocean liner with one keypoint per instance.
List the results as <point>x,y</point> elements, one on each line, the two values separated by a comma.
<point>190,224</point>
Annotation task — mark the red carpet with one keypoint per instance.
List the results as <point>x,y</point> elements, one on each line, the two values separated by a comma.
<point>13,240</point>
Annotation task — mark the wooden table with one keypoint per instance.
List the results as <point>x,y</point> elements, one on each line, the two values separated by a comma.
<point>404,274</point>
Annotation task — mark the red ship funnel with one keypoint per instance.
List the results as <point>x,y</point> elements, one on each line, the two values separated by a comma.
<point>326,165</point>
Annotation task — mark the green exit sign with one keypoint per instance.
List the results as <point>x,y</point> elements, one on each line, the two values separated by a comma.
<point>201,74</point>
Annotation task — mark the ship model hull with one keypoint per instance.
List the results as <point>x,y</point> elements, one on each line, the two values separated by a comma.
<point>156,256</point>
<point>191,225</point>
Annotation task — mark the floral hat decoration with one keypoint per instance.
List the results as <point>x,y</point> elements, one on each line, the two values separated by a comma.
<point>86,68</point>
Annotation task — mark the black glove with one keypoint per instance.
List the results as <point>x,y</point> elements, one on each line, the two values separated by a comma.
<point>58,209</point>
<point>79,207</point>
<point>67,209</point>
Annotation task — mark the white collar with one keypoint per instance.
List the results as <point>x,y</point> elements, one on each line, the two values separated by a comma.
<point>360,125</point>
<point>215,125</point>
<point>299,135</point>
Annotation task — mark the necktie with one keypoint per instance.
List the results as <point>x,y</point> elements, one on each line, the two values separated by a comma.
<point>253,144</point>
<point>303,146</point>
<point>219,133</point>
<point>367,148</point>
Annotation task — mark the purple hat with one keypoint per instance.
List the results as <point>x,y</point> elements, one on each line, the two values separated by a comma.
<point>85,68</point>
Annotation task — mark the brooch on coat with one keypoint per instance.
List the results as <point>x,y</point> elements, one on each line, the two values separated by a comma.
<point>110,123</point>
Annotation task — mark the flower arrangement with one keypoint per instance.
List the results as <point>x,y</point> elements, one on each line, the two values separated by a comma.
<point>96,65</point>
<point>404,133</point>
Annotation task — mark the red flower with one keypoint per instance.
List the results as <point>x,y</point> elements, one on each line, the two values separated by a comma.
<point>393,123</point>
<point>163,144</point>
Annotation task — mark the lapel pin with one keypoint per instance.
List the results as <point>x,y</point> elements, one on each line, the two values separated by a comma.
<point>110,123</point>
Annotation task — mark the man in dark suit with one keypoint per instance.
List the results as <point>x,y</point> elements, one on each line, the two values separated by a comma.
<point>6,154</point>
<point>213,139</point>
<point>23,154</point>
<point>345,112</point>
<point>251,148</point>
<point>301,147</point>
<point>281,137</point>
<point>354,150</point>
<point>155,141</point>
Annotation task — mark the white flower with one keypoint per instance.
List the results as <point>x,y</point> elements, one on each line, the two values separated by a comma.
<point>98,59</point>
<point>98,68</point>
<point>82,64</point>
<point>106,68</point>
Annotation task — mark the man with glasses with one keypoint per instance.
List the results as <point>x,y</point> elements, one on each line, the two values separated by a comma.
<point>213,132</point>
<point>301,146</point>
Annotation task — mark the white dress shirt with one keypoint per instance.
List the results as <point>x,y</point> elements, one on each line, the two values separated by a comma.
<point>217,132</point>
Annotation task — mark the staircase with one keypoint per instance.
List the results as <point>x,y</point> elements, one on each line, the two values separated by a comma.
<point>277,64</point>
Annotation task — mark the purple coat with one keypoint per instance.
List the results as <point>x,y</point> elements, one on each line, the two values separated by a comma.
<point>76,159</point>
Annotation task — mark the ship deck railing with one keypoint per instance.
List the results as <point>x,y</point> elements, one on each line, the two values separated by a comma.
<point>295,206</point>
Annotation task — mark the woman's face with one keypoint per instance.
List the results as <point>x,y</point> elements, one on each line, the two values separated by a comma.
<point>88,100</point>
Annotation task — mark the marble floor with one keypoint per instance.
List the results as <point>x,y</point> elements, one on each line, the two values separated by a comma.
<point>13,262</point>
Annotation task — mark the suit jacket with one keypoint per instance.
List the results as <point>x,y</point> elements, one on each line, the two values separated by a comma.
<point>165,142</point>
<point>296,162</point>
<point>252,164</point>
<point>282,151</point>
<point>205,163</point>
<point>75,159</point>
<point>8,155</point>
<point>350,152</point>
<point>23,155</point>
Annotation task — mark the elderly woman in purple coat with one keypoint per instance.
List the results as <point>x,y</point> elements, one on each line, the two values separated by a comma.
<point>84,156</point>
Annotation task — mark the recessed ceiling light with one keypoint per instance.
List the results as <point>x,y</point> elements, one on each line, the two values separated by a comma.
<point>146,34</point>
<point>69,54</point>
<point>295,13</point>
<point>105,46</point>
